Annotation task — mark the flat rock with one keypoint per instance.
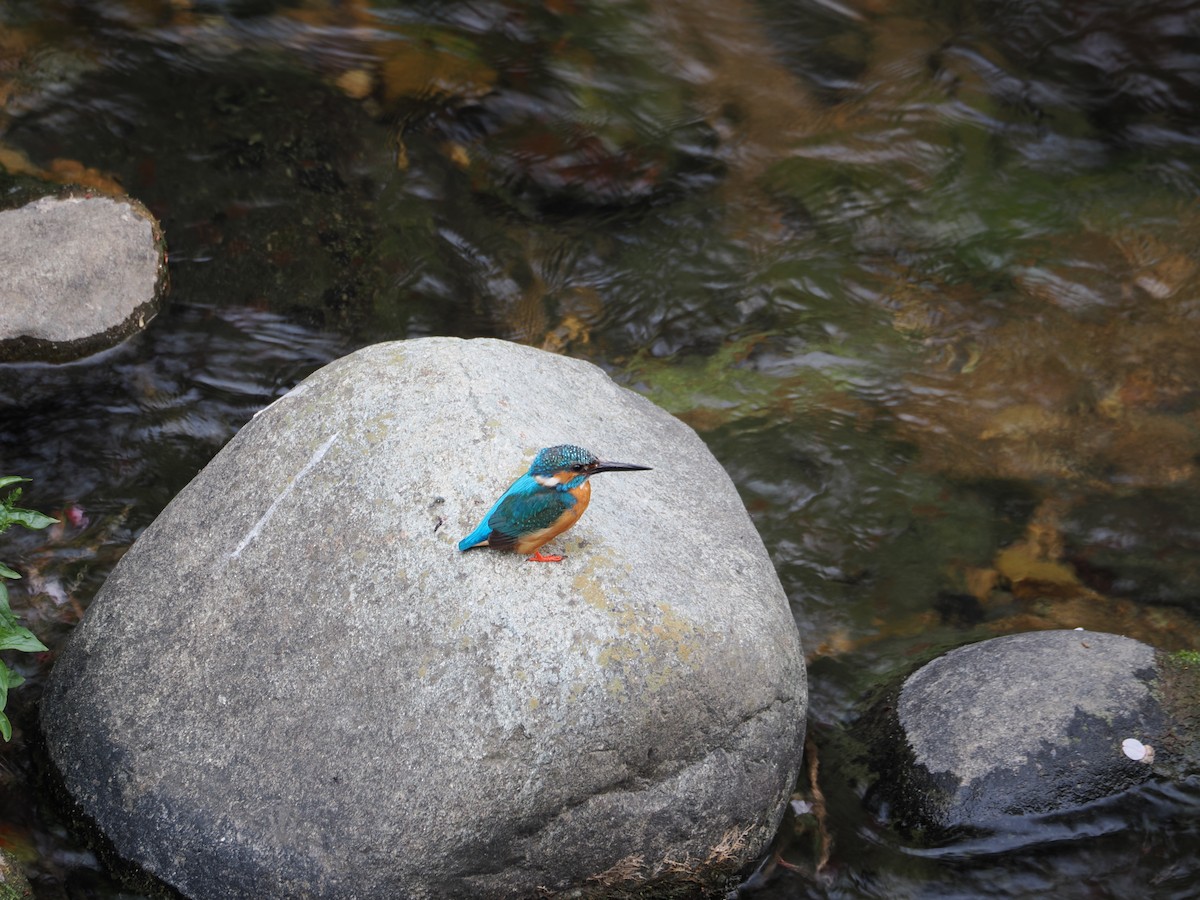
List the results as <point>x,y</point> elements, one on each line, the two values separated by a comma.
<point>80,274</point>
<point>1022,725</point>
<point>295,685</point>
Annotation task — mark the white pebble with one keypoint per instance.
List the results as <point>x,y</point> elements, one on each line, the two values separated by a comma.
<point>1133,748</point>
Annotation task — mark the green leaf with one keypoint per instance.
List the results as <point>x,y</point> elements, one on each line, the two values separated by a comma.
<point>5,674</point>
<point>20,638</point>
<point>9,679</point>
<point>13,635</point>
<point>30,518</point>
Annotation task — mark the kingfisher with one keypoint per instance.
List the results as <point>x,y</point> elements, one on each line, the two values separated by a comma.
<point>542,503</point>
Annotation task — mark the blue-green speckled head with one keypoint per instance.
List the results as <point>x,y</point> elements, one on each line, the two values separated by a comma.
<point>560,457</point>
<point>575,463</point>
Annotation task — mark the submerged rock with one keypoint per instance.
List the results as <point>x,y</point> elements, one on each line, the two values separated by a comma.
<point>295,684</point>
<point>80,274</point>
<point>1029,724</point>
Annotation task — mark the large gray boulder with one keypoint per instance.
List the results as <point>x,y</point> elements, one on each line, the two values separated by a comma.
<point>77,275</point>
<point>295,685</point>
<point>1030,724</point>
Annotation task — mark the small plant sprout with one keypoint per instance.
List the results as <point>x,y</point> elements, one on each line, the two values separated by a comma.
<point>14,636</point>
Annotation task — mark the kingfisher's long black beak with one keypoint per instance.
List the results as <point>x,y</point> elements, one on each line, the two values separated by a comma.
<point>603,466</point>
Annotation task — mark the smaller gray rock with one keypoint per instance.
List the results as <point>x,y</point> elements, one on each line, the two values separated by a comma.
<point>1019,725</point>
<point>80,274</point>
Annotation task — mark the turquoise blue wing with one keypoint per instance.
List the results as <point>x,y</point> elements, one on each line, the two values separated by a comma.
<point>524,508</point>
<point>523,512</point>
<point>483,531</point>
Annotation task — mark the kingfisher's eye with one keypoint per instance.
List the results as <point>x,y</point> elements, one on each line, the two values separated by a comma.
<point>578,467</point>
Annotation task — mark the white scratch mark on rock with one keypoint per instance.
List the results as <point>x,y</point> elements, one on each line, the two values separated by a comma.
<point>266,517</point>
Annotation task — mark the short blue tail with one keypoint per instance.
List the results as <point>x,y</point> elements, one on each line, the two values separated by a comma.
<point>476,538</point>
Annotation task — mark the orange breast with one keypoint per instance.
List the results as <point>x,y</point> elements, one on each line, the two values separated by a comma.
<point>529,543</point>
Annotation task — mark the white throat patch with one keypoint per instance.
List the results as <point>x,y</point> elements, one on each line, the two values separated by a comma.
<point>546,480</point>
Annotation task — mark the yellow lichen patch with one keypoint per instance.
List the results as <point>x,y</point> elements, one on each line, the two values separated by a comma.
<point>674,629</point>
<point>649,643</point>
<point>377,428</point>
<point>588,584</point>
<point>656,681</point>
<point>617,654</point>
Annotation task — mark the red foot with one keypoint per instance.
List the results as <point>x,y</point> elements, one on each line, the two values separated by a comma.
<point>538,557</point>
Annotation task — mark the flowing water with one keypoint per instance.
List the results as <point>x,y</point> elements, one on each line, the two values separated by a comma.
<point>924,275</point>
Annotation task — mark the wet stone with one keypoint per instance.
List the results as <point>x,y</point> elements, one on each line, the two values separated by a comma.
<point>294,684</point>
<point>1023,725</point>
<point>80,274</point>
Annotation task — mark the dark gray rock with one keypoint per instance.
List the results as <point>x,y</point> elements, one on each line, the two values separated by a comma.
<point>1026,724</point>
<point>294,684</point>
<point>77,275</point>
